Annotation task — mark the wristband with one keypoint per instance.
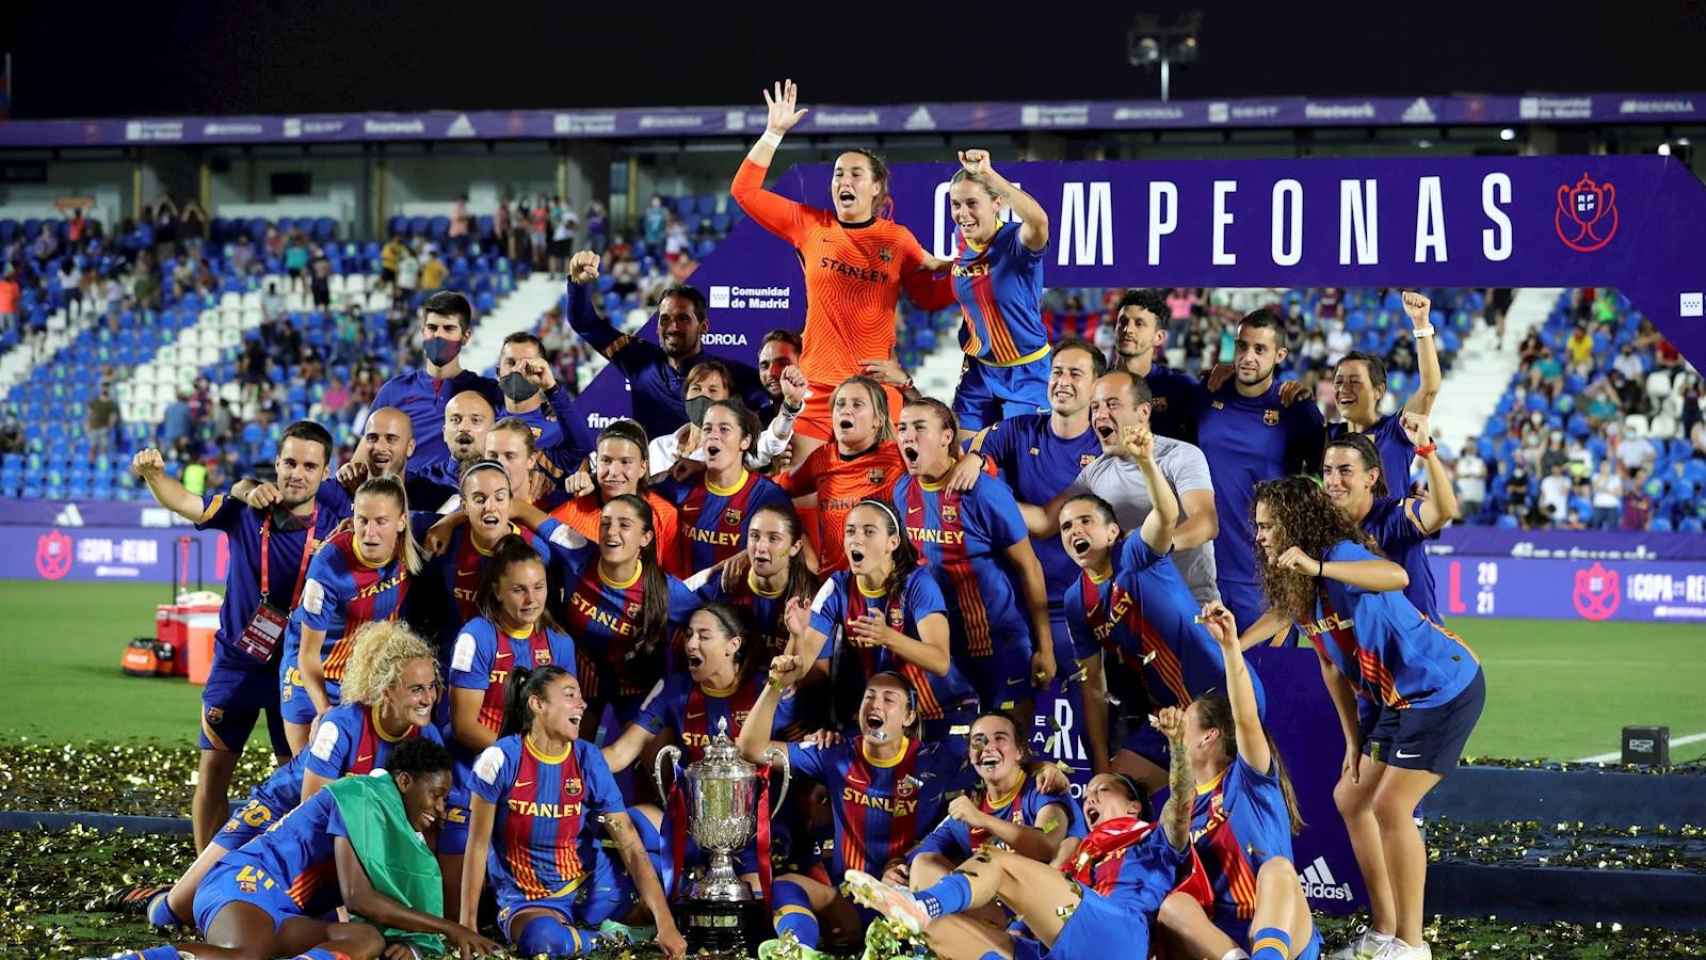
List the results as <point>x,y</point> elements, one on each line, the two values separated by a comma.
<point>1421,332</point>
<point>771,137</point>
<point>792,412</point>
<point>1427,450</point>
<point>1320,569</point>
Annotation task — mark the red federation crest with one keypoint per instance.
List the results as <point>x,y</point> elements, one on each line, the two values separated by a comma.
<point>53,555</point>
<point>1598,592</point>
<point>1586,218</point>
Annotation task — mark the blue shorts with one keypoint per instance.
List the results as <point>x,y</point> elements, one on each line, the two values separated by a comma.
<point>297,706</point>
<point>238,690</point>
<point>989,394</point>
<point>247,824</point>
<point>1095,926</point>
<point>1428,738</point>
<point>239,879</point>
<point>453,832</point>
<point>1004,676</point>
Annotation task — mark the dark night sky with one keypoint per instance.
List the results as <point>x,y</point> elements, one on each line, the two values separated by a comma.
<point>71,59</point>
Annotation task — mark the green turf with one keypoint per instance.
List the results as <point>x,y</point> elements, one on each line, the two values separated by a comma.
<point>61,643</point>
<point>1556,689</point>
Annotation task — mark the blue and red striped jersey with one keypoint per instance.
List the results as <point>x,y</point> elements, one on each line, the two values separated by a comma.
<point>458,571</point>
<point>1037,465</point>
<point>880,808</point>
<point>604,618</point>
<point>955,840</point>
<point>697,714</point>
<point>1137,875</point>
<point>1000,290</point>
<point>545,834</point>
<point>344,592</point>
<point>841,600</point>
<point>1146,616</point>
<point>1393,654</point>
<point>1238,821</point>
<point>484,656</point>
<point>714,519</point>
<point>962,539</point>
<point>348,741</point>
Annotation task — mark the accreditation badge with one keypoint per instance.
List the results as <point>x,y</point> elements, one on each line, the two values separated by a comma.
<point>260,638</point>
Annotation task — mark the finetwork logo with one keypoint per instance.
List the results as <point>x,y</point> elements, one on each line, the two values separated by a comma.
<point>1418,112</point>
<point>1318,883</point>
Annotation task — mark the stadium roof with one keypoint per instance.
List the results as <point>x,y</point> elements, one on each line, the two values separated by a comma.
<point>310,56</point>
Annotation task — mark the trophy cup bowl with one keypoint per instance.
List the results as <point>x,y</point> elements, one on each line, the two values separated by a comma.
<point>721,797</point>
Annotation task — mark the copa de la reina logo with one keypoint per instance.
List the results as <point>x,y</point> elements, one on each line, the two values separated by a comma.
<point>1586,217</point>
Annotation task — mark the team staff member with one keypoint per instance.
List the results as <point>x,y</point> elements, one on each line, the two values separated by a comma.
<point>270,555</point>
<point>1119,403</point>
<point>538,791</point>
<point>620,469</point>
<point>855,258</point>
<point>1318,570</point>
<point>886,787</point>
<point>1248,433</point>
<point>998,280</point>
<point>1359,383</point>
<point>1140,332</point>
<point>468,417</point>
<point>1125,869</point>
<point>655,372</point>
<point>962,538</point>
<point>777,352</point>
<point>1243,821</point>
<point>532,393</point>
<point>267,899</point>
<point>359,576</point>
<point>863,463</point>
<point>447,323</point>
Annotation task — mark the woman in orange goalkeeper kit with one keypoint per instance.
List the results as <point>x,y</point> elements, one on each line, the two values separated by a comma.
<point>856,262</point>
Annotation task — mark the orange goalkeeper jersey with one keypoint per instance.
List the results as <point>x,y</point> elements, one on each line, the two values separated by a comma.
<point>840,482</point>
<point>582,514</point>
<point>854,275</point>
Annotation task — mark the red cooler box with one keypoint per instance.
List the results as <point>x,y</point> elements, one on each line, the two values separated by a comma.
<point>189,626</point>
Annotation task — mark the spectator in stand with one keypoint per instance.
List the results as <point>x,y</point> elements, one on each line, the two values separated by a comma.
<point>296,260</point>
<point>538,230</point>
<point>624,276</point>
<point>1637,503</point>
<point>320,279</point>
<point>1471,484</point>
<point>597,227</point>
<point>446,324</point>
<point>10,294</point>
<point>1339,342</point>
<point>1555,492</point>
<point>273,242</point>
<point>459,219</point>
<point>242,255</point>
<point>390,257</point>
<point>1580,504</point>
<point>192,228</point>
<point>1579,348</point>
<point>1636,452</point>
<point>675,241</point>
<point>564,223</point>
<point>177,422</point>
<point>76,227</point>
<point>101,421</point>
<point>335,401</point>
<point>654,220</point>
<point>408,277</point>
<point>501,228</point>
<point>433,271</point>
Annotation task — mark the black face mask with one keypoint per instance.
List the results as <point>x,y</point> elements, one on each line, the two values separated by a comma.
<point>696,407</point>
<point>517,387</point>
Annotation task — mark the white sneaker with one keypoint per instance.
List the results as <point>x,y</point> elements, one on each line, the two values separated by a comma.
<point>1366,946</point>
<point>1396,949</point>
<point>898,905</point>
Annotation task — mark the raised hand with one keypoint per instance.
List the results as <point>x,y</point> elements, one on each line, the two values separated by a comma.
<point>976,163</point>
<point>964,473</point>
<point>583,267</point>
<point>263,496</point>
<point>351,474</point>
<point>1417,306</point>
<point>869,631</point>
<point>781,103</point>
<point>539,373</point>
<point>797,616</point>
<point>887,371</point>
<point>1297,561</point>
<point>795,387</point>
<point>1171,722</point>
<point>1138,442</point>
<point>147,463</point>
<point>1220,624</point>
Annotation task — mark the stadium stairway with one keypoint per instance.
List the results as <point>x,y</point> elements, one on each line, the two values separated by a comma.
<point>154,383</point>
<point>520,310</point>
<point>62,329</point>
<point>939,374</point>
<point>1483,371</point>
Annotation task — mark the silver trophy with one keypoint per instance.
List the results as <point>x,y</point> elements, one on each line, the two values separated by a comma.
<point>721,793</point>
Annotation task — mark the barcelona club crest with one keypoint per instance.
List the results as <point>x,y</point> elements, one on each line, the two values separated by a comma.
<point>950,513</point>
<point>1270,417</point>
<point>1586,218</point>
<point>731,516</point>
<point>571,786</point>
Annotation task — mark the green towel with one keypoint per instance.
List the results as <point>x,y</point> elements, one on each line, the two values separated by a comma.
<point>397,860</point>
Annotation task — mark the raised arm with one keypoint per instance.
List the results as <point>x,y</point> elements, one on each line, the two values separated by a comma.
<point>1427,354</point>
<point>754,739</point>
<point>1161,526</point>
<point>584,320</point>
<point>1181,786</point>
<point>1374,574</point>
<point>1439,507</point>
<point>167,492</point>
<point>622,753</point>
<point>1033,219</point>
<point>775,213</point>
<point>1240,691</point>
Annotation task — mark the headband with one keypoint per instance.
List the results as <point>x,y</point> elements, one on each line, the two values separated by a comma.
<point>478,465</point>
<point>894,518</point>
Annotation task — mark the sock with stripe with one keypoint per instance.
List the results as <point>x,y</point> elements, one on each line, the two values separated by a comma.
<point>949,895</point>
<point>160,912</point>
<point>1270,943</point>
<point>792,910</point>
<point>163,952</point>
<point>322,953</point>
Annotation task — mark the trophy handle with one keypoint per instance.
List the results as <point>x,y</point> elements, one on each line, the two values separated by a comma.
<point>671,754</point>
<point>777,757</point>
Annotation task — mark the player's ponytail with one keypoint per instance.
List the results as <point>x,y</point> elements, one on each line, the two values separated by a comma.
<point>389,486</point>
<point>1214,709</point>
<point>522,686</point>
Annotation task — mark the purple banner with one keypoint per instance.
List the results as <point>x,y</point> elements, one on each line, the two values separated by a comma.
<point>1566,589</point>
<point>91,513</point>
<point>1568,544</point>
<point>748,121</point>
<point>111,553</point>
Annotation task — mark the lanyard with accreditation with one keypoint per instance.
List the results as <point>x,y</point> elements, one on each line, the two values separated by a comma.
<point>260,638</point>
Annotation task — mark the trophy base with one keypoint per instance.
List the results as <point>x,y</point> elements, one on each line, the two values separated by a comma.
<point>731,929</point>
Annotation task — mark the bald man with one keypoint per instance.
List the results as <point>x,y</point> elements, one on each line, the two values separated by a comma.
<point>467,418</point>
<point>1120,400</point>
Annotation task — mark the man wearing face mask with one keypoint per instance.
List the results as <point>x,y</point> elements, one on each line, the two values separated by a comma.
<point>656,372</point>
<point>707,383</point>
<point>447,321</point>
<point>533,395</point>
